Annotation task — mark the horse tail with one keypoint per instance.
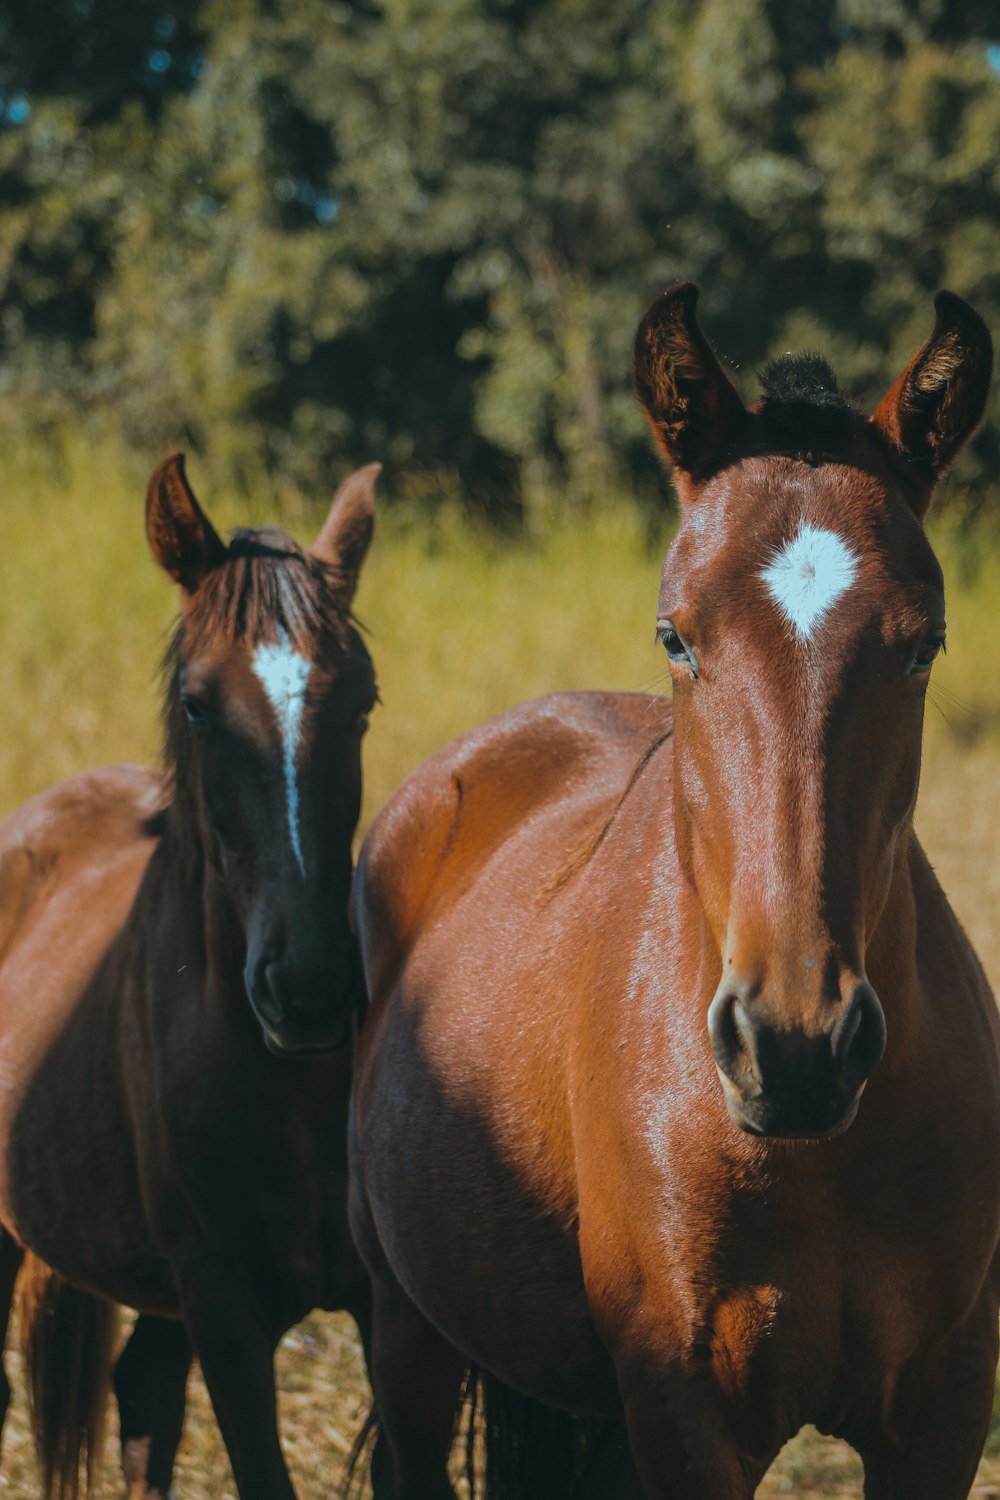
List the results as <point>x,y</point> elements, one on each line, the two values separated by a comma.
<point>67,1338</point>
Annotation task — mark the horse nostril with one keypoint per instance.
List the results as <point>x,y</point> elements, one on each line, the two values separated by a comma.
<point>732,1035</point>
<point>722,1031</point>
<point>748,1036</point>
<point>859,1038</point>
<point>260,977</point>
<point>267,1004</point>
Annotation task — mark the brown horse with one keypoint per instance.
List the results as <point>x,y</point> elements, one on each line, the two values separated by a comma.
<point>178,978</point>
<point>678,1100</point>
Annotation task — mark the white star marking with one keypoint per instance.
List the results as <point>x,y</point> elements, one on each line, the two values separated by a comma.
<point>284,672</point>
<point>807,576</point>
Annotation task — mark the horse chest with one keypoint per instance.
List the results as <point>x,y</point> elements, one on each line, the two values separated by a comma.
<point>258,1177</point>
<point>790,1301</point>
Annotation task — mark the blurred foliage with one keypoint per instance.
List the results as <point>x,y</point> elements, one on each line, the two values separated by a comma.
<point>300,234</point>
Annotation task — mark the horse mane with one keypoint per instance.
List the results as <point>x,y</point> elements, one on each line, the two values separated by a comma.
<point>267,586</point>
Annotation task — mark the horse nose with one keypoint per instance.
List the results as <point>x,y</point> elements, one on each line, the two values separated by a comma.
<point>783,1080</point>
<point>304,999</point>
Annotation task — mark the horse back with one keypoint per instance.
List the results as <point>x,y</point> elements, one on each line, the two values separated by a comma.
<point>70,863</point>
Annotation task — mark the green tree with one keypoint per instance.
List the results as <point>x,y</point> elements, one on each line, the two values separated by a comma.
<point>299,234</point>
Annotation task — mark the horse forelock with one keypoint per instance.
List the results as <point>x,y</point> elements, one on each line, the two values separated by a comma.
<point>807,378</point>
<point>803,412</point>
<point>267,588</point>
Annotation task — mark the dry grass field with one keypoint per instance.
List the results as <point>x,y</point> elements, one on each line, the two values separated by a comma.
<point>461,624</point>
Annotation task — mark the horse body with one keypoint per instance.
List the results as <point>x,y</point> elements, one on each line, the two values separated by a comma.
<point>177,982</point>
<point>678,1097</point>
<point>680,1240</point>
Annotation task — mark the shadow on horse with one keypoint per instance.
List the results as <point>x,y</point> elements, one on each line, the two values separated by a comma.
<point>178,982</point>
<point>677,1104</point>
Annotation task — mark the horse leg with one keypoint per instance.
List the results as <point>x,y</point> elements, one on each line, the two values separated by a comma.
<point>611,1472</point>
<point>150,1385</point>
<point>11,1256</point>
<point>236,1351</point>
<point>416,1379</point>
<point>686,1451</point>
<point>940,1460</point>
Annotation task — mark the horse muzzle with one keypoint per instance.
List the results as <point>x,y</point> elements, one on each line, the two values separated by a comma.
<point>302,1013</point>
<point>787,1083</point>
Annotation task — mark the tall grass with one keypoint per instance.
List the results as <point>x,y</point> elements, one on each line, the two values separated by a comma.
<point>461,624</point>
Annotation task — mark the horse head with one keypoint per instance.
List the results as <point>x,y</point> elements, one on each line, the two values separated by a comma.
<point>269,691</point>
<point>801,607</point>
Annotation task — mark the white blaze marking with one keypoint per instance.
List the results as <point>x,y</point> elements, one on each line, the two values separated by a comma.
<point>283,673</point>
<point>808,575</point>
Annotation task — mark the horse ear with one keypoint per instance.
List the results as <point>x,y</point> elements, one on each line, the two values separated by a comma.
<point>939,398</point>
<point>181,537</point>
<point>346,533</point>
<point>693,410</point>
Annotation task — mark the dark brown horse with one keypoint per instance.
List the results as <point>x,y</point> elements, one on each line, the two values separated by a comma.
<point>178,978</point>
<point>678,1101</point>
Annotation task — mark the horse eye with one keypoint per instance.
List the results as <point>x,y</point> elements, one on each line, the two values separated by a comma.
<point>195,711</point>
<point>362,725</point>
<point>923,658</point>
<point>675,647</point>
